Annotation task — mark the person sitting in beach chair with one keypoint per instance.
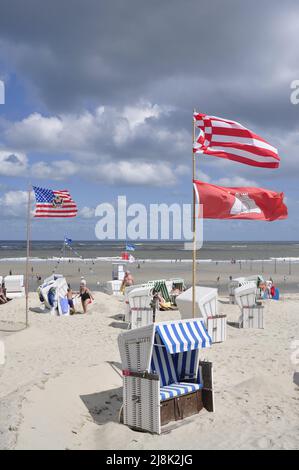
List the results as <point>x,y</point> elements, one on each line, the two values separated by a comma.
<point>3,298</point>
<point>163,305</point>
<point>128,281</point>
<point>86,295</point>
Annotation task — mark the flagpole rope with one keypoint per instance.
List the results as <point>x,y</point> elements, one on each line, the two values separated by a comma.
<point>194,220</point>
<point>62,251</point>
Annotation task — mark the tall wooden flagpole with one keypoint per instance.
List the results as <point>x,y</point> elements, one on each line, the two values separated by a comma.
<point>194,219</point>
<point>28,256</point>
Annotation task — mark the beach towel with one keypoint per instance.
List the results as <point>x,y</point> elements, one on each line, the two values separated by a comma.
<point>63,306</point>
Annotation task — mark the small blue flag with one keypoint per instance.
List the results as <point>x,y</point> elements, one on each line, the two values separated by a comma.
<point>130,247</point>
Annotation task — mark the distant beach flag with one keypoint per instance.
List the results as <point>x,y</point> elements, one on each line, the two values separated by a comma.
<point>131,259</point>
<point>230,140</point>
<point>130,247</point>
<point>51,203</point>
<point>219,202</point>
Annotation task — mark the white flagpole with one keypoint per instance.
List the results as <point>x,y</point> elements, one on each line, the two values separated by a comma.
<point>194,220</point>
<point>28,256</point>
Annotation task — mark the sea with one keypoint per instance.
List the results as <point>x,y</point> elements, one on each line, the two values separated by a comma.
<point>152,251</point>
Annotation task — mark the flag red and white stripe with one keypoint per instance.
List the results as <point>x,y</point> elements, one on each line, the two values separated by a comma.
<point>218,202</point>
<point>50,203</point>
<point>229,139</point>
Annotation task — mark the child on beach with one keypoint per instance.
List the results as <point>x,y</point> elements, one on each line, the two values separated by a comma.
<point>70,299</point>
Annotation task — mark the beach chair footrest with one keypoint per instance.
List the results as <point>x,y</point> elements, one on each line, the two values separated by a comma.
<point>181,407</point>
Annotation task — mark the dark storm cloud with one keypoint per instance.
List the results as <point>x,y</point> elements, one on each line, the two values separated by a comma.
<point>232,57</point>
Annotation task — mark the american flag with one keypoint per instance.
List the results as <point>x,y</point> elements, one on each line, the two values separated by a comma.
<point>54,203</point>
<point>228,139</point>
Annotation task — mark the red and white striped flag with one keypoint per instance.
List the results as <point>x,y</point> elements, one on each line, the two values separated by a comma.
<point>228,139</point>
<point>51,203</point>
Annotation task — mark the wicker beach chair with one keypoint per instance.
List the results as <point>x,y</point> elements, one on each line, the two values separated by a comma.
<point>252,312</point>
<point>241,281</point>
<point>140,307</point>
<point>206,307</point>
<point>14,286</point>
<point>163,377</point>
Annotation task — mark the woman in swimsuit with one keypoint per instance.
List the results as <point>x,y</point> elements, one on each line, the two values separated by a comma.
<point>85,294</point>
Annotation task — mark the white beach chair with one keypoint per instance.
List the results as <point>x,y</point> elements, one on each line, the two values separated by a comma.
<point>164,379</point>
<point>127,309</point>
<point>252,313</point>
<point>113,287</point>
<point>53,294</point>
<point>232,286</point>
<point>240,281</point>
<point>14,286</point>
<point>206,307</point>
<point>118,271</point>
<point>140,307</point>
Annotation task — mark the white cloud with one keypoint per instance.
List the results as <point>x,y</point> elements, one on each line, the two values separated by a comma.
<point>87,212</point>
<point>235,181</point>
<point>135,173</point>
<point>144,110</point>
<point>13,203</point>
<point>58,170</point>
<point>12,163</point>
<point>89,132</point>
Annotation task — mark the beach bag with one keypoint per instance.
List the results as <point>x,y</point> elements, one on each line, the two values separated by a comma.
<point>276,294</point>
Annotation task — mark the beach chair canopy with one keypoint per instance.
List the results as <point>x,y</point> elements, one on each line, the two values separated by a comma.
<point>169,349</point>
<point>246,294</point>
<point>183,336</point>
<point>51,291</point>
<point>178,282</point>
<point>161,287</point>
<point>206,302</point>
<point>53,277</point>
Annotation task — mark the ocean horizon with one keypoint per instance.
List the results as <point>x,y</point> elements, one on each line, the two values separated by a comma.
<point>152,250</point>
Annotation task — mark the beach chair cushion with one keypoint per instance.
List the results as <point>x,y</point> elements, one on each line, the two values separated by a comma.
<point>177,389</point>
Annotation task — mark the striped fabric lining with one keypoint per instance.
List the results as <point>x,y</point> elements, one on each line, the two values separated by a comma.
<point>173,367</point>
<point>177,389</point>
<point>162,363</point>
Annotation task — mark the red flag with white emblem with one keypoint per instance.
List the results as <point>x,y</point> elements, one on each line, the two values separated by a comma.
<point>219,202</point>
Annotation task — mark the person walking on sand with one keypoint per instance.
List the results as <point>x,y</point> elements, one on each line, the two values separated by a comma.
<point>85,294</point>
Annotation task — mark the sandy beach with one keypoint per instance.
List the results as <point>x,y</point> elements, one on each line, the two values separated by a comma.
<point>60,386</point>
<point>212,273</point>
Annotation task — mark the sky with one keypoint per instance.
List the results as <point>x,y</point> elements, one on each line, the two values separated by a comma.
<point>99,99</point>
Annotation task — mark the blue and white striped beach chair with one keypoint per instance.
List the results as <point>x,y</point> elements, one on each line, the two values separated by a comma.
<point>164,378</point>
